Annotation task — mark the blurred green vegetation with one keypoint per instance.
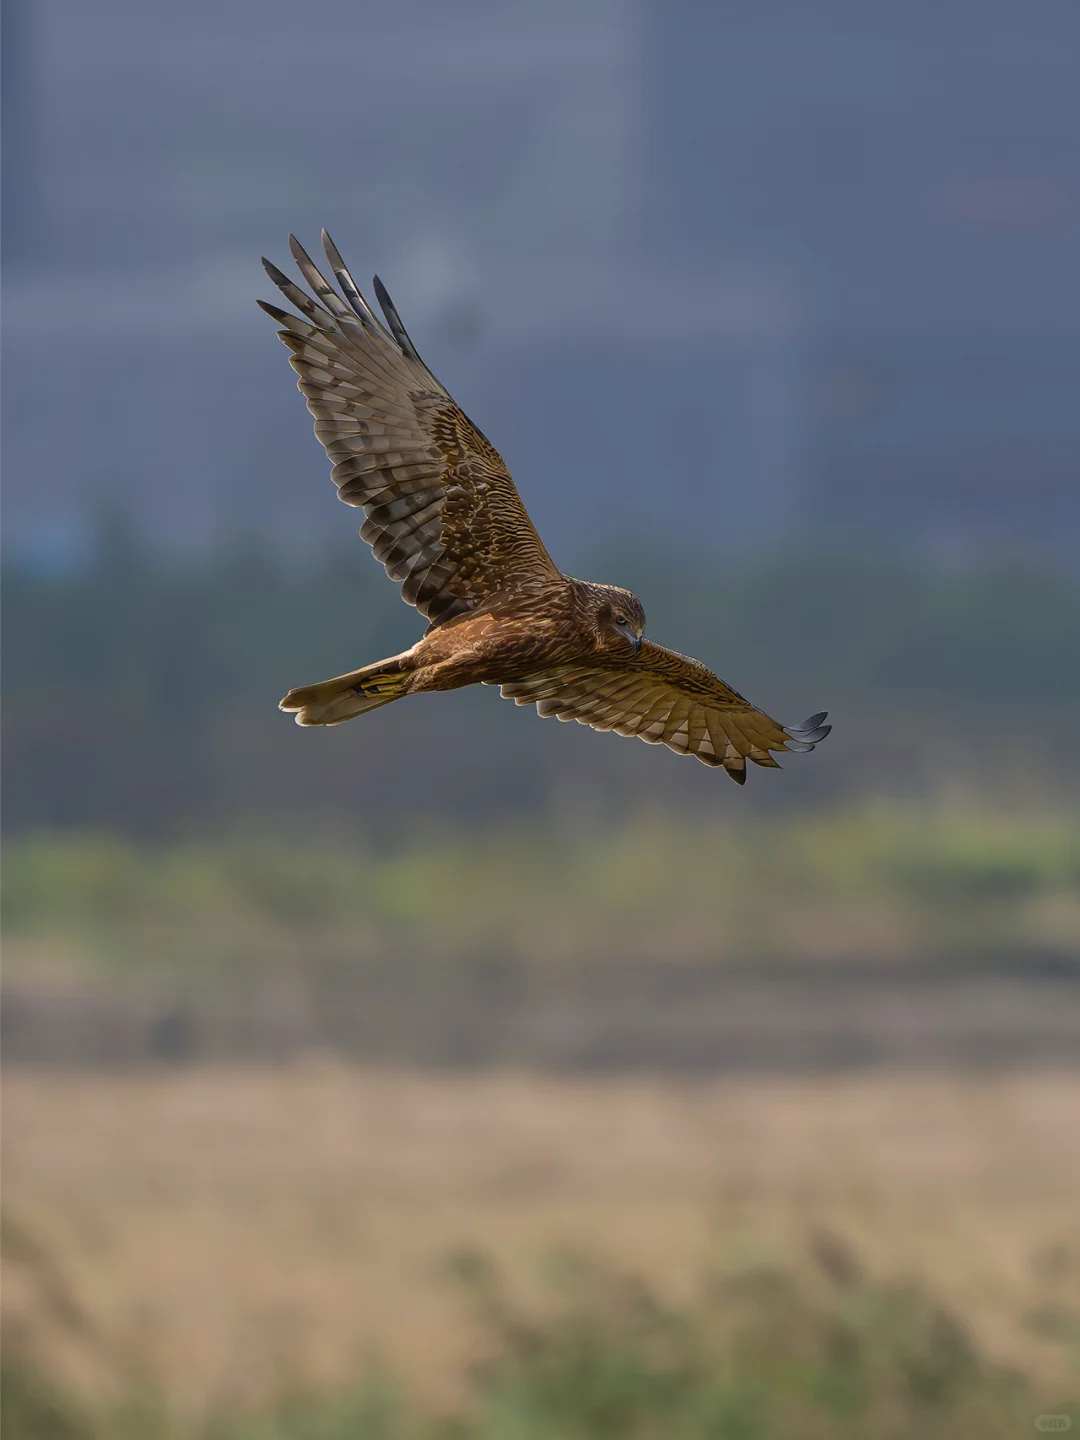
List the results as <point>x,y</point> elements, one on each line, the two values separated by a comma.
<point>877,882</point>
<point>140,694</point>
<point>755,1355</point>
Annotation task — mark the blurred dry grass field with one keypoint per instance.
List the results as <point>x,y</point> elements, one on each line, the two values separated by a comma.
<point>226,1236</point>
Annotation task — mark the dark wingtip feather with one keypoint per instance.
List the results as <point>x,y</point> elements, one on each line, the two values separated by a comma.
<point>349,287</point>
<point>304,303</point>
<point>810,733</point>
<point>393,319</point>
<point>277,276</point>
<point>273,311</point>
<point>811,737</point>
<point>337,264</point>
<point>739,776</point>
<point>812,721</point>
<point>318,282</point>
<point>383,296</point>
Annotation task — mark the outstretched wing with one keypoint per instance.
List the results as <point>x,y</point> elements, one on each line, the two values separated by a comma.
<point>443,514</point>
<point>666,698</point>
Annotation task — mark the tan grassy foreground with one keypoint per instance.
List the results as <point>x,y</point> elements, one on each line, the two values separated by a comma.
<point>228,1236</point>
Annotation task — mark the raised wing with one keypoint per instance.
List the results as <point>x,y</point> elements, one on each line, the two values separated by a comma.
<point>443,514</point>
<point>667,699</point>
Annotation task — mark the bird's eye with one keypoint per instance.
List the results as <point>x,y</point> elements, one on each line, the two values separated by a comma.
<point>621,620</point>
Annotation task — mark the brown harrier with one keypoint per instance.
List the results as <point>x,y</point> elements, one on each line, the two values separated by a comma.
<point>445,519</point>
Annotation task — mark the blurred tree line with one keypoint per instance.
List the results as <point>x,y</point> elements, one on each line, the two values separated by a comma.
<point>140,692</point>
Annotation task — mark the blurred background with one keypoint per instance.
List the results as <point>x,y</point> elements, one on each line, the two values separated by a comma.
<point>450,1073</point>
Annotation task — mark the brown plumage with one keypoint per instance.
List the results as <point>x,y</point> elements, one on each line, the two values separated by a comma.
<point>445,519</point>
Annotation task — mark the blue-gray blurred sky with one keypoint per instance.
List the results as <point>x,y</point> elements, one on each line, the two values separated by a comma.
<point>768,274</point>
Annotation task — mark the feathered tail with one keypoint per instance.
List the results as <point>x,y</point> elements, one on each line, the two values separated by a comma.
<point>333,701</point>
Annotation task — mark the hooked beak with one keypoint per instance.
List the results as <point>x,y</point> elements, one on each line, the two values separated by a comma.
<point>631,635</point>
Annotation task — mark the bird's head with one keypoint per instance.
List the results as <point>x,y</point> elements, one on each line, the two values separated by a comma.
<point>619,617</point>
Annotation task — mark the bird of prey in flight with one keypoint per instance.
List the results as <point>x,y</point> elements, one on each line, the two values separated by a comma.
<point>445,519</point>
